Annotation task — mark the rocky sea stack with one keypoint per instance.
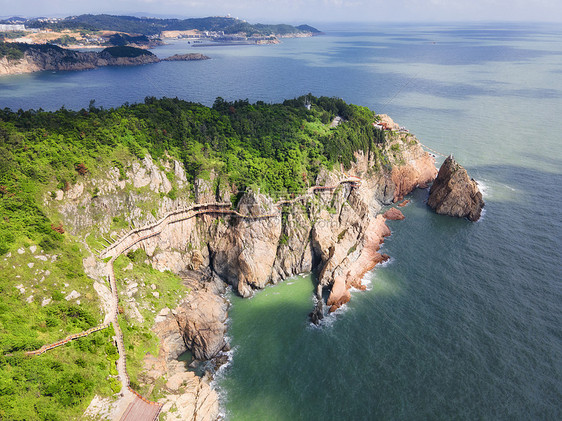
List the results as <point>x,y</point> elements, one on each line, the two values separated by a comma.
<point>454,193</point>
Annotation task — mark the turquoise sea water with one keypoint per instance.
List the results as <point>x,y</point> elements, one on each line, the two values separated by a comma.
<point>465,321</point>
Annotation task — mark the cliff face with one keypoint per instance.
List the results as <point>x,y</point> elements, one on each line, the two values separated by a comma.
<point>37,58</point>
<point>454,193</point>
<point>333,228</point>
<point>186,396</point>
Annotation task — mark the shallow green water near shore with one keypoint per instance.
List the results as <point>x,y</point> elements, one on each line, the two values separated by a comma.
<point>450,328</point>
<point>464,321</point>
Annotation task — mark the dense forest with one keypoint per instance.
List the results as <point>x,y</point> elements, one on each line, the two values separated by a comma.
<point>153,26</point>
<point>274,147</point>
<point>11,51</point>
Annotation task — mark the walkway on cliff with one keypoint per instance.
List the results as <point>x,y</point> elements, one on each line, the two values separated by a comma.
<point>432,150</point>
<point>140,408</point>
<point>139,234</point>
<point>66,340</point>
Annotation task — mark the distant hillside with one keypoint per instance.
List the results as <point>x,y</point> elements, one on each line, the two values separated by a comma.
<point>308,28</point>
<point>18,58</point>
<point>26,58</point>
<point>153,26</point>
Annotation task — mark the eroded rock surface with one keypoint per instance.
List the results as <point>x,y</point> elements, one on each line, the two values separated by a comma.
<point>202,317</point>
<point>334,229</point>
<point>454,193</point>
<point>393,214</point>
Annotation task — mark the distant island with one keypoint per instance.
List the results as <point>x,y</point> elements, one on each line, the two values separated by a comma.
<point>97,31</point>
<point>18,58</point>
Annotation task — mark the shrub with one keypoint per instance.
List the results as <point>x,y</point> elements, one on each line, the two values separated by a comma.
<point>81,168</point>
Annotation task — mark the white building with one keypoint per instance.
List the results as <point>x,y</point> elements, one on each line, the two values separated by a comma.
<point>10,28</point>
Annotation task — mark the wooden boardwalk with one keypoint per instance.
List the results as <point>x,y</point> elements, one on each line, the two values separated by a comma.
<point>66,340</point>
<point>139,234</point>
<point>141,409</point>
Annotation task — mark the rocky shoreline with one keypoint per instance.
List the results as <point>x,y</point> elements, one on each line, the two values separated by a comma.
<point>40,57</point>
<point>334,230</point>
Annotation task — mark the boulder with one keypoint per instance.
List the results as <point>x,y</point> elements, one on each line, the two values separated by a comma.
<point>405,202</point>
<point>393,214</point>
<point>202,318</point>
<point>454,193</point>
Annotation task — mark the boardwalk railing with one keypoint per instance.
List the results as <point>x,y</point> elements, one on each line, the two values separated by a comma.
<point>139,234</point>
<point>433,150</point>
<point>136,235</point>
<point>66,340</point>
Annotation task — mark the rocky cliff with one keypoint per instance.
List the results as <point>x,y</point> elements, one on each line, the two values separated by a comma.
<point>454,193</point>
<point>49,57</point>
<point>333,229</point>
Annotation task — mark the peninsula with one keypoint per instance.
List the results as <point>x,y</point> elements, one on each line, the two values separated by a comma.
<point>121,229</point>
<point>18,58</point>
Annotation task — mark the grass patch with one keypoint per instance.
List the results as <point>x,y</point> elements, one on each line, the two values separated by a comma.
<point>148,291</point>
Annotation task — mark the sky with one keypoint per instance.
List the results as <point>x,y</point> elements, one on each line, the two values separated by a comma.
<point>302,11</point>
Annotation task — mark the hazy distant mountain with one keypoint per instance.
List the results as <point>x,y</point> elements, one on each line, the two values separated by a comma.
<point>154,26</point>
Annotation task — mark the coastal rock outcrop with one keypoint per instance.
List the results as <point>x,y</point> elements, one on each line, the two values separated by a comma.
<point>332,227</point>
<point>454,193</point>
<point>393,214</point>
<point>357,263</point>
<point>243,252</point>
<point>185,396</point>
<point>51,57</point>
<point>202,318</point>
<point>187,57</point>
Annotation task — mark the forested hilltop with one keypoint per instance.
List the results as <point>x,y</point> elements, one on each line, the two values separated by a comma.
<point>273,147</point>
<point>154,26</point>
<point>46,294</point>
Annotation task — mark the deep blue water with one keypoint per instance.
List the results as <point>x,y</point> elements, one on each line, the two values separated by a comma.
<point>465,321</point>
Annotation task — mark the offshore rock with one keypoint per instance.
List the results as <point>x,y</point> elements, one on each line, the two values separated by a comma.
<point>405,202</point>
<point>454,193</point>
<point>318,313</point>
<point>186,57</point>
<point>393,214</point>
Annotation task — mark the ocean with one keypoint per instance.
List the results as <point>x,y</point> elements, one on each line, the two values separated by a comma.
<point>464,322</point>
